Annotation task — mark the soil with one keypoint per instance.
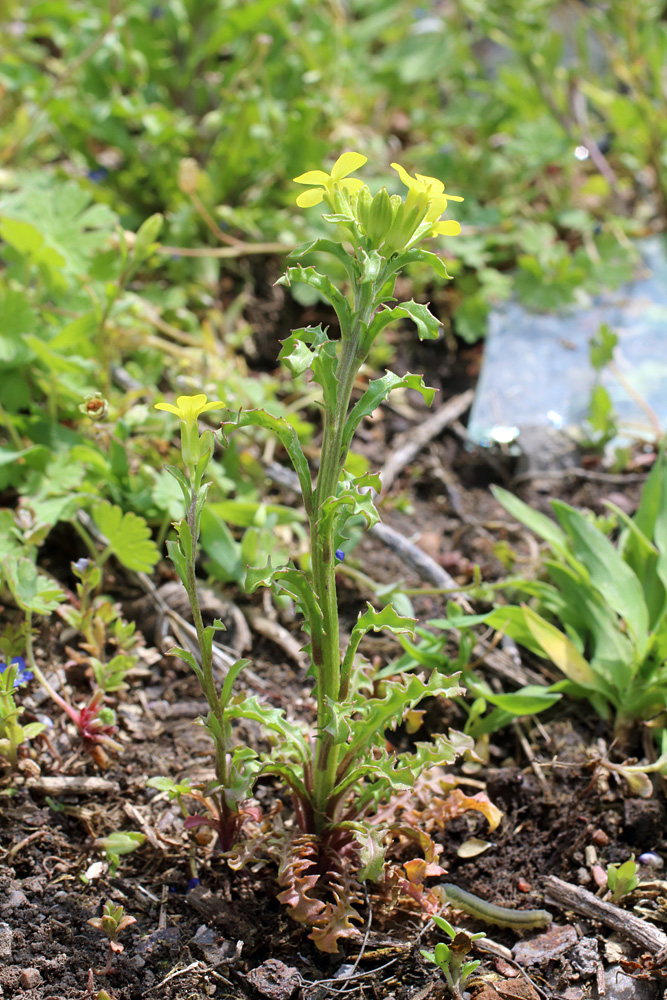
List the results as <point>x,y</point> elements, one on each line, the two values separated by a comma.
<point>228,936</point>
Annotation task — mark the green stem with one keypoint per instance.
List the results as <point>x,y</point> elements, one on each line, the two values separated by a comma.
<point>322,549</point>
<point>208,683</point>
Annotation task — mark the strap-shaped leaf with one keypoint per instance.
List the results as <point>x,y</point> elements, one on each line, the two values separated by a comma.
<point>328,246</point>
<point>288,438</point>
<point>178,559</point>
<point>542,525</point>
<point>609,574</point>
<point>377,391</point>
<point>187,657</point>
<point>322,284</point>
<point>295,583</point>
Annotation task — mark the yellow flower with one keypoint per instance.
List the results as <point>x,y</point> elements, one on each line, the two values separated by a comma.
<point>190,408</point>
<point>430,192</point>
<point>325,184</point>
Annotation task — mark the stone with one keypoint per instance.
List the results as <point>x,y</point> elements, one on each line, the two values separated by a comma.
<point>620,986</point>
<point>6,940</point>
<point>30,978</point>
<point>274,979</point>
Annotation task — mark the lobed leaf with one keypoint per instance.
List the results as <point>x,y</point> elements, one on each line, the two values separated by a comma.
<point>128,537</point>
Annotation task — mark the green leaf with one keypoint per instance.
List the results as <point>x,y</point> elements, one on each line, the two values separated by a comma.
<point>31,590</point>
<point>270,718</point>
<point>425,257</point>
<point>560,650</point>
<point>385,619</point>
<point>609,574</point>
<point>320,358</point>
<point>328,246</point>
<point>428,327</point>
<point>322,284</point>
<point>288,438</point>
<point>127,536</point>
<point>121,842</point>
<point>145,239</point>
<point>542,525</point>
<point>377,391</point>
<point>220,546</point>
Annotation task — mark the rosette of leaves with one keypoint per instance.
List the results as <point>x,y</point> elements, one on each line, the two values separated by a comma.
<point>601,614</point>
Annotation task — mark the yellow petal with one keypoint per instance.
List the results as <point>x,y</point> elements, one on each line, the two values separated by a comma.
<point>345,164</point>
<point>191,406</point>
<point>308,198</point>
<point>433,185</point>
<point>168,406</point>
<point>448,228</point>
<point>313,177</point>
<point>454,197</point>
<point>409,181</point>
<point>214,405</point>
<point>437,206</point>
<point>352,184</point>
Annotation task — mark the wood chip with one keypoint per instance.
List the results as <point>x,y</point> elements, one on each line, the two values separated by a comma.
<point>61,784</point>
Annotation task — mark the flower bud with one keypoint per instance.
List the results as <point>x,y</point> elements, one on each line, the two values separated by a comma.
<point>96,407</point>
<point>380,216</point>
<point>188,175</point>
<point>362,204</point>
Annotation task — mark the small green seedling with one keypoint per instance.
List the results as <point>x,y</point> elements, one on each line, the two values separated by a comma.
<point>622,879</point>
<point>117,843</point>
<point>451,958</point>
<point>111,923</point>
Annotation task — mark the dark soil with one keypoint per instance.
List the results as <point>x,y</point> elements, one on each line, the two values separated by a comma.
<point>228,936</point>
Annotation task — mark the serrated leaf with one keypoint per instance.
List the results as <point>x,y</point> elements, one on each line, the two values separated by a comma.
<point>377,391</point>
<point>127,536</point>
<point>322,284</point>
<point>328,246</point>
<point>288,438</point>
<point>428,326</point>
<point>425,257</point>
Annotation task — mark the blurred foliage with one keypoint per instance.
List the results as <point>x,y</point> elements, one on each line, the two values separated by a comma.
<point>548,117</point>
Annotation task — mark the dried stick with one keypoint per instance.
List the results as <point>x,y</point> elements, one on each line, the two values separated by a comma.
<point>408,445</point>
<point>572,897</point>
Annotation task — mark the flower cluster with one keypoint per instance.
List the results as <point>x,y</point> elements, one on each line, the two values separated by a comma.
<point>387,221</point>
<point>23,676</point>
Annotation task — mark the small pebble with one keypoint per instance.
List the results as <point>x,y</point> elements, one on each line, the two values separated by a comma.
<point>6,939</point>
<point>523,886</point>
<point>600,876</point>
<point>583,876</point>
<point>30,978</point>
<point>590,855</point>
<point>600,838</point>
<point>651,860</point>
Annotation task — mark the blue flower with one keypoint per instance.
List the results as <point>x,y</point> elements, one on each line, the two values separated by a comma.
<point>340,554</point>
<point>98,175</point>
<point>24,675</point>
<point>81,564</point>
